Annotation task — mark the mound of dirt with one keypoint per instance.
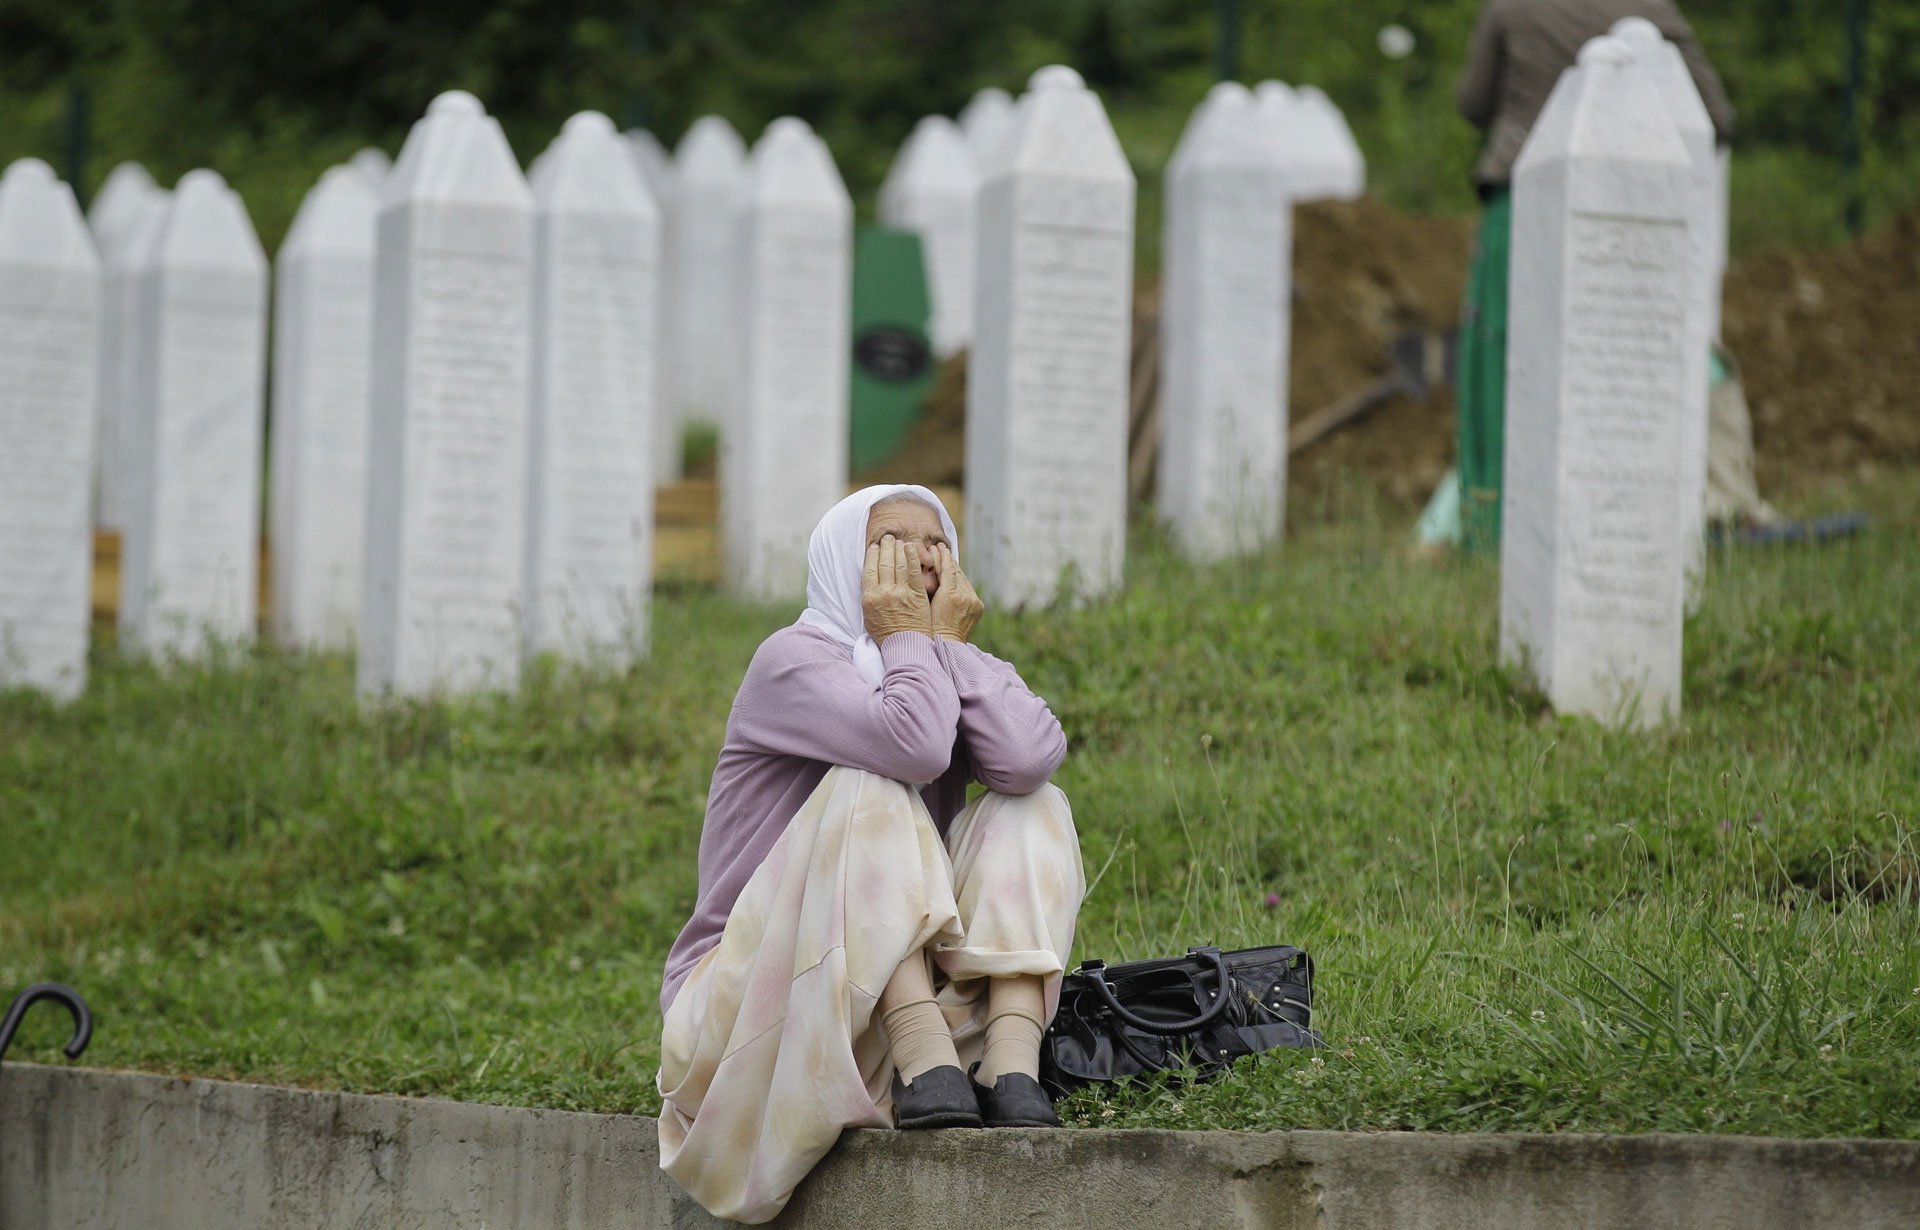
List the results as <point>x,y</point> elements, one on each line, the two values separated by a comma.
<point>1829,346</point>
<point>1829,342</point>
<point>1363,273</point>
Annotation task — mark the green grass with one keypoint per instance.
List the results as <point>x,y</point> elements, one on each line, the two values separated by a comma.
<point>1520,922</point>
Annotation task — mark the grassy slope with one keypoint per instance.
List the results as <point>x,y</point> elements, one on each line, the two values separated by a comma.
<point>1520,922</point>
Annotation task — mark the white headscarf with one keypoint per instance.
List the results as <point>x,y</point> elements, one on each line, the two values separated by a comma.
<point>837,563</point>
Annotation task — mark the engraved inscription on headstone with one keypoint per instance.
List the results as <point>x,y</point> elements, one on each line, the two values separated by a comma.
<point>1591,557</point>
<point>446,483</point>
<point>783,460</point>
<point>1663,63</point>
<point>189,567</point>
<point>124,199</point>
<point>1224,323</point>
<point>49,331</point>
<point>702,334</point>
<point>1047,385</point>
<point>323,344</point>
<point>119,233</point>
<point>589,485</point>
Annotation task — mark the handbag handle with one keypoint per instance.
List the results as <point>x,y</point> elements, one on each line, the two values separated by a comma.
<point>1097,977</point>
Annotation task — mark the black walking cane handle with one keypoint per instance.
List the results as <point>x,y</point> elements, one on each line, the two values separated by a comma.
<point>82,1015</point>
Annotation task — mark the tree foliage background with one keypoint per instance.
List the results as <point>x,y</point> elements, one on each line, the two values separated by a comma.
<point>270,92</point>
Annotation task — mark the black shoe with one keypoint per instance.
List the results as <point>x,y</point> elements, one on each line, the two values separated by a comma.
<point>1016,1100</point>
<point>938,1098</point>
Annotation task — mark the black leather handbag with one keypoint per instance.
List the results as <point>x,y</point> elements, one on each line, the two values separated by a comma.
<point>1190,1015</point>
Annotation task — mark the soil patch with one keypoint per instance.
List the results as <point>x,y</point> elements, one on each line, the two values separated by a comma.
<point>1829,342</point>
<point>1829,345</point>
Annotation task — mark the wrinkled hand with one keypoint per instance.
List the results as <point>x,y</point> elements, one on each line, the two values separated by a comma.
<point>891,597</point>
<point>956,608</point>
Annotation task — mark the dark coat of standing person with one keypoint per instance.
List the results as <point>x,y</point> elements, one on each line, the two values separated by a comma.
<point>1519,50</point>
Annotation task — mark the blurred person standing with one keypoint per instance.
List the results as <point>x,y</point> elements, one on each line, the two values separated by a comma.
<point>1519,49</point>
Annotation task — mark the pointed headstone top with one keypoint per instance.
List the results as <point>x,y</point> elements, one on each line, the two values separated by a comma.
<point>1274,93</point>
<point>456,102</point>
<point>456,152</point>
<point>986,120</point>
<point>1061,129</point>
<point>373,164</point>
<point>40,222</point>
<point>1637,33</point>
<point>1227,129</point>
<point>935,157</point>
<point>118,200</point>
<point>590,168</point>
<point>200,181</point>
<point>656,165</point>
<point>1278,107</point>
<point>1056,77</point>
<point>1324,160</point>
<point>207,228</point>
<point>589,124</point>
<point>31,171</point>
<point>337,216</point>
<point>791,164</point>
<point>1606,50</point>
<point>1663,62</point>
<point>711,152</point>
<point>1606,106</point>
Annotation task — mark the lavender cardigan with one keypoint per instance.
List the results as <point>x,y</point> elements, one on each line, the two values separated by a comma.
<point>944,714</point>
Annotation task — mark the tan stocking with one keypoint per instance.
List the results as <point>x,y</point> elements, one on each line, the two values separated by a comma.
<point>916,1031</point>
<point>1014,1028</point>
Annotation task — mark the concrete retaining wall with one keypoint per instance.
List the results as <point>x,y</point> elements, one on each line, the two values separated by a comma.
<point>82,1148</point>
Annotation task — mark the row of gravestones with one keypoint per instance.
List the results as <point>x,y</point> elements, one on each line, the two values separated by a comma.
<point>933,185</point>
<point>490,313</point>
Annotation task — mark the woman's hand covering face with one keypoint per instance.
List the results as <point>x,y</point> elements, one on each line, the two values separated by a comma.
<point>956,607</point>
<point>892,597</point>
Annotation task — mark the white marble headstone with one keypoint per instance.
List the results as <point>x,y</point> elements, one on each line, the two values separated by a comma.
<point>783,459</point>
<point>932,190</point>
<point>373,165</point>
<point>590,477</point>
<point>654,162</point>
<point>1591,558</point>
<point>986,120</point>
<point>117,203</point>
<point>1047,387</point>
<point>190,549</point>
<point>1224,322</point>
<point>49,330</point>
<point>1662,61</point>
<point>1318,165</point>
<point>447,473</point>
<point>703,338</point>
<point>120,322</point>
<point>127,199</point>
<point>322,351</point>
<point>1346,167</point>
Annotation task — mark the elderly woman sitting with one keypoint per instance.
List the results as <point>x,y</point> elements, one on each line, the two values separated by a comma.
<point>867,946</point>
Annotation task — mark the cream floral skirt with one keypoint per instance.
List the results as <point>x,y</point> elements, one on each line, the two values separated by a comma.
<point>770,1048</point>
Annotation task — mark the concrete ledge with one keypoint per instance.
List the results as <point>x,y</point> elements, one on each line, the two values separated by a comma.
<point>82,1148</point>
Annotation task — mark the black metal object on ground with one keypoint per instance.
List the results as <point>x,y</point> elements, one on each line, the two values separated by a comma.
<point>1817,529</point>
<point>82,1015</point>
